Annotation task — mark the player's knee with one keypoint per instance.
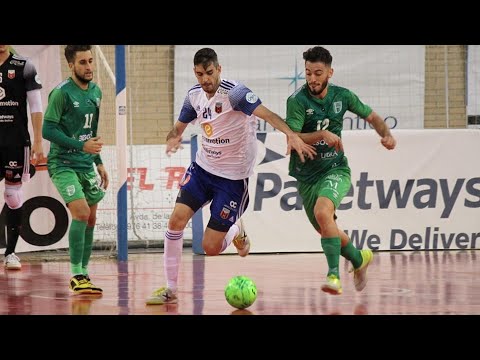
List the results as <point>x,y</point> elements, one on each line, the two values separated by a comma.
<point>177,223</point>
<point>92,220</point>
<point>211,248</point>
<point>13,196</point>
<point>324,216</point>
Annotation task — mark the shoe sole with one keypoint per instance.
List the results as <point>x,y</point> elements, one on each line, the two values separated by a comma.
<point>159,302</point>
<point>13,267</point>
<point>245,251</point>
<point>331,291</point>
<point>82,291</point>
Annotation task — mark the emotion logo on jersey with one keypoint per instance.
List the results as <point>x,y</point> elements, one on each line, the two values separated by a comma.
<point>207,129</point>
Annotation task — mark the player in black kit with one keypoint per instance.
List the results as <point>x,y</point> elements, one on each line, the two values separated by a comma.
<point>19,84</point>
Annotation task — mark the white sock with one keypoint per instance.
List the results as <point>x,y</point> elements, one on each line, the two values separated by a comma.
<point>172,256</point>
<point>231,234</point>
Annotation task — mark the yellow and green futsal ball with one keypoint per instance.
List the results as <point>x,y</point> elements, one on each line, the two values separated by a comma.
<point>241,292</point>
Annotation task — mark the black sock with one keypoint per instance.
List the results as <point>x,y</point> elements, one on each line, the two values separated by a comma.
<point>14,221</point>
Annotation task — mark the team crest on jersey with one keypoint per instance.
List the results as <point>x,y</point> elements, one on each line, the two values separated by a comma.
<point>9,174</point>
<point>207,129</point>
<point>11,74</point>
<point>251,98</point>
<point>337,107</point>
<point>218,107</point>
<point>225,213</point>
<point>70,189</point>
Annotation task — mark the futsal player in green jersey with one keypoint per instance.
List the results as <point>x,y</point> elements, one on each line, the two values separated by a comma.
<point>70,124</point>
<point>316,111</point>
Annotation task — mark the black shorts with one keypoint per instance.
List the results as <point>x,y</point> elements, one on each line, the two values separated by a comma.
<point>14,162</point>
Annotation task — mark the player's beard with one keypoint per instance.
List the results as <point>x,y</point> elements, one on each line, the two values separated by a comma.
<point>318,90</point>
<point>82,78</point>
<point>211,88</point>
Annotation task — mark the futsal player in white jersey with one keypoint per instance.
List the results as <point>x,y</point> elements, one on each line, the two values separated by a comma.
<point>227,112</point>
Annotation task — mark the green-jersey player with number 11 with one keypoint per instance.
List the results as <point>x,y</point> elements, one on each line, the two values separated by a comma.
<point>70,124</point>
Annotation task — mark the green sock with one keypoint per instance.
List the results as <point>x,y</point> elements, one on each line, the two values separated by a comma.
<point>331,248</point>
<point>87,249</point>
<point>352,254</point>
<point>76,240</point>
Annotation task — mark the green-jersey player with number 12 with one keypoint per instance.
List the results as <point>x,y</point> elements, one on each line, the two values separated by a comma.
<point>316,111</point>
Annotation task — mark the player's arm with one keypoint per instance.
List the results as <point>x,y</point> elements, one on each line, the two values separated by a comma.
<point>34,99</point>
<point>388,141</point>
<point>293,139</point>
<point>244,100</point>
<point>97,159</point>
<point>330,138</point>
<point>174,137</point>
<point>365,112</point>
<point>53,115</point>
<point>51,130</point>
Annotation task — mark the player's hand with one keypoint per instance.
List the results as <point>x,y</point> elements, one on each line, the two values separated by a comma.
<point>103,176</point>
<point>332,140</point>
<point>93,145</point>
<point>36,152</point>
<point>389,142</point>
<point>296,143</point>
<point>174,144</point>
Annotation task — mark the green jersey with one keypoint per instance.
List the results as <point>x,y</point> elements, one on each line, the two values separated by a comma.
<point>76,111</point>
<point>307,114</point>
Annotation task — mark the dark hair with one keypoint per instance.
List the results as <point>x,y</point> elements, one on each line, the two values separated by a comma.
<point>71,51</point>
<point>318,54</point>
<point>205,57</point>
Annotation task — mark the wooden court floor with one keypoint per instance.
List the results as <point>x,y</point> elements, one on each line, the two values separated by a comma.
<point>422,283</point>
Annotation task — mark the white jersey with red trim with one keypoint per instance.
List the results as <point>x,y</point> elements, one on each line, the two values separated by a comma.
<point>229,140</point>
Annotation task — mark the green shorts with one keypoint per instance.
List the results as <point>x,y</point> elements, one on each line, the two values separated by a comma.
<point>75,185</point>
<point>334,185</point>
